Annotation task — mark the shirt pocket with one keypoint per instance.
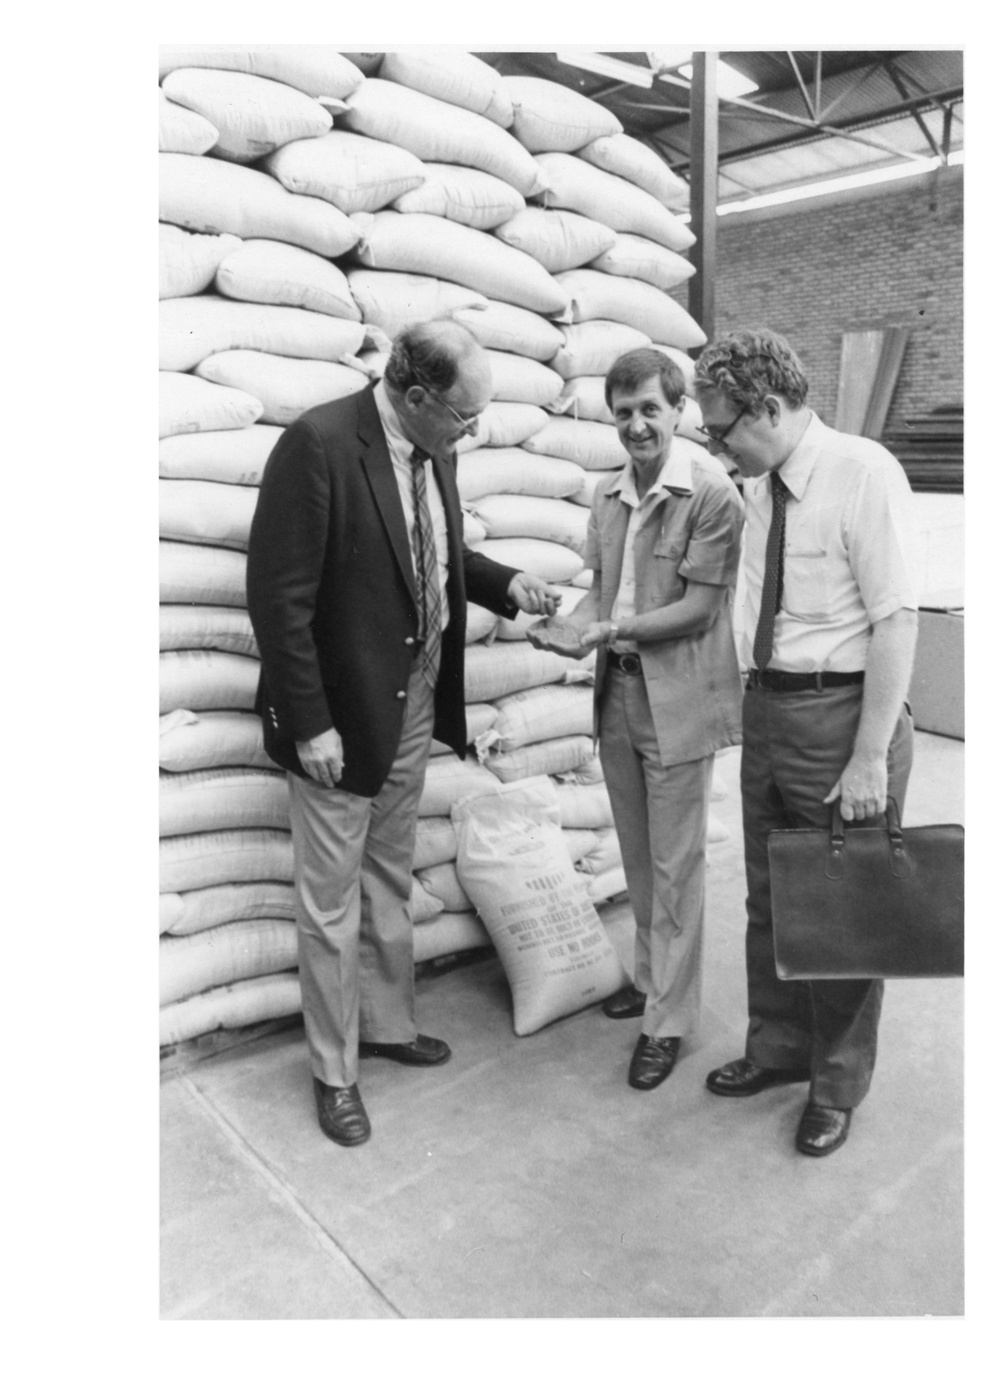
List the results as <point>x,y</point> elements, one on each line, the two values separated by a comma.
<point>806,585</point>
<point>665,583</point>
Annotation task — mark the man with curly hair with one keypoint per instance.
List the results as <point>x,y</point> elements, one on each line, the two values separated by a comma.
<point>830,623</point>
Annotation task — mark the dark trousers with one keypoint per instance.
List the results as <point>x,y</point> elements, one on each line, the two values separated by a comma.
<point>795,747</point>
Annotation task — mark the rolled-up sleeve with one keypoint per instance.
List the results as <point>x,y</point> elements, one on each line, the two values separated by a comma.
<point>881,540</point>
<point>713,549</point>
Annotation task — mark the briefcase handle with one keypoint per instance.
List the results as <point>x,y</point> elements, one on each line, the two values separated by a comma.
<point>899,862</point>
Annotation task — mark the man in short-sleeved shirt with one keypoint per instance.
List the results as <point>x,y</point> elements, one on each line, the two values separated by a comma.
<point>830,629</point>
<point>663,542</point>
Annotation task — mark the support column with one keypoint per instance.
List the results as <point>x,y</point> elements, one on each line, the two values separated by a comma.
<point>704,188</point>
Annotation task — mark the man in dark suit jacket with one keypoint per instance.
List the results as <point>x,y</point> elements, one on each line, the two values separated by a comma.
<point>357,579</point>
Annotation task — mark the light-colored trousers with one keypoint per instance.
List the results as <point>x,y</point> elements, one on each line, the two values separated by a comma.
<point>353,872</point>
<point>661,815</point>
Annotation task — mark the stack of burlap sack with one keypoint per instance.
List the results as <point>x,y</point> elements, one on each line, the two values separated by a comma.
<point>309,212</point>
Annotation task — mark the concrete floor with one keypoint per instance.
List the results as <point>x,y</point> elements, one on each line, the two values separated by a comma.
<point>524,1179</point>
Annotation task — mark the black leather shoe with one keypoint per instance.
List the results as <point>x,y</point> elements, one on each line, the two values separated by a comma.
<point>625,1003</point>
<point>425,1050</point>
<point>741,1078</point>
<point>822,1130</point>
<point>652,1060</point>
<point>341,1113</point>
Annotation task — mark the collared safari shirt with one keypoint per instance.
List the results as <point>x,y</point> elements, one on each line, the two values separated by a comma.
<point>849,551</point>
<point>688,529</point>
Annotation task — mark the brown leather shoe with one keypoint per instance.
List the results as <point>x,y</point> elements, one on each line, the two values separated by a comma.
<point>625,1003</point>
<point>652,1060</point>
<point>425,1050</point>
<point>822,1130</point>
<point>341,1113</point>
<point>740,1078</point>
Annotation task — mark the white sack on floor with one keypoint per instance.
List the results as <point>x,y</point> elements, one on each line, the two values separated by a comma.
<point>447,934</point>
<point>511,470</point>
<point>222,799</point>
<point>550,756</point>
<point>234,457</point>
<point>464,195</point>
<point>505,667</point>
<point>543,712</point>
<point>518,379</point>
<point>227,1008</point>
<point>441,882</point>
<point>231,903</point>
<point>231,953</point>
<point>354,172</point>
<point>434,130</point>
<point>593,346</point>
<point>215,739</point>
<point>188,261</point>
<point>505,425</point>
<point>447,779</point>
<point>213,196</point>
<point>207,680</point>
<point>183,131</point>
<point>221,857</point>
<point>317,69</point>
<point>195,573</point>
<point>625,156</point>
<point>189,405</point>
<point>632,256</point>
<point>556,238</point>
<point>394,300</point>
<point>598,296</point>
<point>192,328</point>
<point>206,512</point>
<point>514,863</point>
<point>534,517</point>
<point>252,115</point>
<point>459,79</point>
<point>553,562</point>
<point>593,446</point>
<point>500,326</point>
<point>574,184</point>
<point>552,117</point>
<point>184,627</point>
<point>267,272</point>
<point>286,388</point>
<point>436,247</point>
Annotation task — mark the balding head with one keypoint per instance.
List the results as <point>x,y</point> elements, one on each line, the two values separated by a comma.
<point>439,381</point>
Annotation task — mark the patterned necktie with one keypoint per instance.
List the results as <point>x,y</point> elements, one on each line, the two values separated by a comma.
<point>428,584</point>
<point>770,594</point>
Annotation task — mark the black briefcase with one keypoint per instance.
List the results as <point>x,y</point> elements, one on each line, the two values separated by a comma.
<point>868,901</point>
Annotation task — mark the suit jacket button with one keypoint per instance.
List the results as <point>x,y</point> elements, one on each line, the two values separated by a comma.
<point>400,694</point>
<point>407,641</point>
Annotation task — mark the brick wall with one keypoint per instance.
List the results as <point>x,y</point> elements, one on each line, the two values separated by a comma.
<point>889,256</point>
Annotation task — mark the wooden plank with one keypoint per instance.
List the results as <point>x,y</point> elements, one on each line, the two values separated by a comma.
<point>859,357</point>
<point>886,375</point>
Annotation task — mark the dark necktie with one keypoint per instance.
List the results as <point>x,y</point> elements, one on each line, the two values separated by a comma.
<point>770,594</point>
<point>428,584</point>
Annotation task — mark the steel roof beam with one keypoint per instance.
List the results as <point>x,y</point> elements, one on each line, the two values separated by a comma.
<point>900,87</point>
<point>802,87</point>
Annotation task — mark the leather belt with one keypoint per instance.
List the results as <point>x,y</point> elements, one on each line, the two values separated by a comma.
<point>794,680</point>
<point>627,661</point>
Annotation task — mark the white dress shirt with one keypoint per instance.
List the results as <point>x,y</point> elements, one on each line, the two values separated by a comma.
<point>849,551</point>
<point>400,452</point>
<point>674,475</point>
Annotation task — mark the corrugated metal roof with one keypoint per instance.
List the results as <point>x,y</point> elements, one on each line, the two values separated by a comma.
<point>868,91</point>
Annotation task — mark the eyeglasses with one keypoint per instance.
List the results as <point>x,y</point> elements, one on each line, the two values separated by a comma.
<point>467,423</point>
<point>720,438</point>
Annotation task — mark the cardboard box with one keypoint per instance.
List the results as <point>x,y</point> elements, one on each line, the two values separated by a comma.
<point>937,691</point>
